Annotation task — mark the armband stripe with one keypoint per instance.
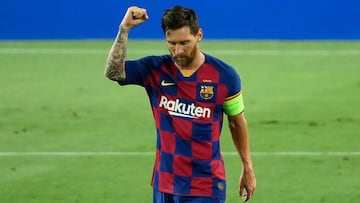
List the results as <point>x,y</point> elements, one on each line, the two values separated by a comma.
<point>232,97</point>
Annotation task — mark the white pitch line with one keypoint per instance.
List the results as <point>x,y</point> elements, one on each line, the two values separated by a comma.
<point>224,52</point>
<point>76,153</point>
<point>306,153</point>
<point>21,154</point>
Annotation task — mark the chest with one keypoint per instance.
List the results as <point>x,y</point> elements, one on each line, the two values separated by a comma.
<point>199,96</point>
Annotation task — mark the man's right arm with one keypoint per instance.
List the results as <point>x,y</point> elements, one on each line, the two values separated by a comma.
<point>115,64</point>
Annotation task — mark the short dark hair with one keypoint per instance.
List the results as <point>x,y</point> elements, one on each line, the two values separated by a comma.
<point>178,17</point>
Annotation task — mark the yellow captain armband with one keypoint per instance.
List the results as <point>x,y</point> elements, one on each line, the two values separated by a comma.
<point>234,105</point>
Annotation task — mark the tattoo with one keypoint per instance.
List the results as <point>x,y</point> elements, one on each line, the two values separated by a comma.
<point>115,64</point>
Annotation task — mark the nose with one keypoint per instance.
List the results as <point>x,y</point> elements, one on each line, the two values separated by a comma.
<point>179,49</point>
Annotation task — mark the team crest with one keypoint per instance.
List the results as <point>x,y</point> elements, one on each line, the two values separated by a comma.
<point>206,92</point>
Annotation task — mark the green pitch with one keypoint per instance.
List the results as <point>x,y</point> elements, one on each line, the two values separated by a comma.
<point>65,129</point>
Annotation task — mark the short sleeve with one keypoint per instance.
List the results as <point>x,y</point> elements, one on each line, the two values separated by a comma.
<point>234,103</point>
<point>137,70</point>
<point>233,83</point>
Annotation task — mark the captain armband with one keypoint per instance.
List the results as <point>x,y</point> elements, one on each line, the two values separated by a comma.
<point>234,105</point>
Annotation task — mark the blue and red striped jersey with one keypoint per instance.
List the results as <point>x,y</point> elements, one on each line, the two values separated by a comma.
<point>188,113</point>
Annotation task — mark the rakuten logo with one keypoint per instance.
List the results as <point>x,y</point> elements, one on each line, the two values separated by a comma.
<point>176,108</point>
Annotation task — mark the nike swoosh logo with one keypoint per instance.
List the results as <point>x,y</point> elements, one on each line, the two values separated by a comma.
<point>164,84</point>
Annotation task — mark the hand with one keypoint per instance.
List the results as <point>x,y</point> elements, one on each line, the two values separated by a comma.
<point>247,184</point>
<point>134,16</point>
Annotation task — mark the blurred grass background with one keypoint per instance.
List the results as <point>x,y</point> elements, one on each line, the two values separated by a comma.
<point>300,96</point>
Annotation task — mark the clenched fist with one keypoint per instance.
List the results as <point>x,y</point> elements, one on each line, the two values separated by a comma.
<point>134,16</point>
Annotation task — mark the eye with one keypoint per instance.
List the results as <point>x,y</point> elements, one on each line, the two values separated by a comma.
<point>171,43</point>
<point>184,42</point>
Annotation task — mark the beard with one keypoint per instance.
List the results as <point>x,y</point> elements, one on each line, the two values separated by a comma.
<point>184,60</point>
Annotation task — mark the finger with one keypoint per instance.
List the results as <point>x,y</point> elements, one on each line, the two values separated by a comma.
<point>248,195</point>
<point>245,197</point>
<point>244,193</point>
<point>139,14</point>
<point>241,190</point>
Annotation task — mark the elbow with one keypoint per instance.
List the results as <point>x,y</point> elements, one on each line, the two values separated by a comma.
<point>113,73</point>
<point>114,76</point>
<point>109,74</point>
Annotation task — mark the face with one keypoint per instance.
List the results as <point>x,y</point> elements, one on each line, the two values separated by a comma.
<point>183,45</point>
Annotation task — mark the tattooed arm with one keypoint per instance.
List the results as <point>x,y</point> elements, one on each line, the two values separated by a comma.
<point>115,64</point>
<point>115,67</point>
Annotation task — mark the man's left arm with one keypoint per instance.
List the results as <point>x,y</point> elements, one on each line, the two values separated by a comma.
<point>240,136</point>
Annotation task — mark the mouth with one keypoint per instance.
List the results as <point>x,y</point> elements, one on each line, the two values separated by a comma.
<point>179,57</point>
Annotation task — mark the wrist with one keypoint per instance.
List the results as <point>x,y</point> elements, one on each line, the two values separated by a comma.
<point>124,28</point>
<point>247,166</point>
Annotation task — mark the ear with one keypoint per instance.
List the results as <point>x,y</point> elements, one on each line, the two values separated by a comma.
<point>199,35</point>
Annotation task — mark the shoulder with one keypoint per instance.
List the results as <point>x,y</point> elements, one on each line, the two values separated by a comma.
<point>156,59</point>
<point>222,67</point>
<point>148,62</point>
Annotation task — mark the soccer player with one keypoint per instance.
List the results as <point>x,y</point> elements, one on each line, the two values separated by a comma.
<point>189,93</point>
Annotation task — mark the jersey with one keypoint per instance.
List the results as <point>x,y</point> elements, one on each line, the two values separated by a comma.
<point>188,113</point>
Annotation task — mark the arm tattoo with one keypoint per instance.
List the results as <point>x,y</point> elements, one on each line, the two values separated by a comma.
<point>115,64</point>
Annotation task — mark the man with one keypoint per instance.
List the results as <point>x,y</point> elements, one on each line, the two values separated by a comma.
<point>189,92</point>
